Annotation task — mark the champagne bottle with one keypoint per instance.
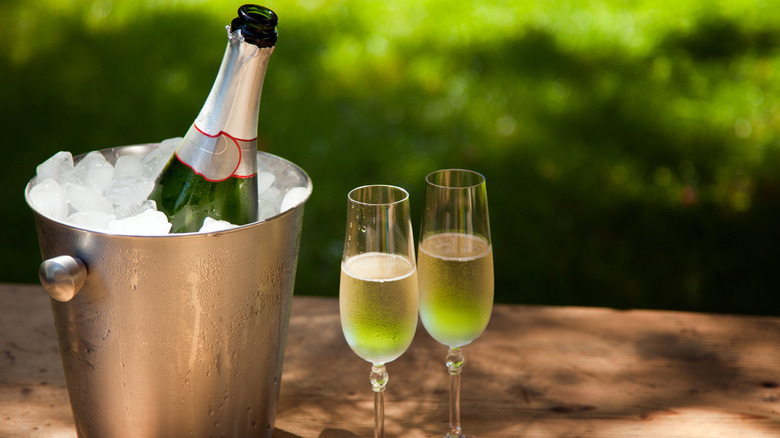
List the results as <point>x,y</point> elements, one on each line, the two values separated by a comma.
<point>213,172</point>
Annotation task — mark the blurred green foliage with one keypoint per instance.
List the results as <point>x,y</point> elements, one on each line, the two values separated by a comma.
<point>631,148</point>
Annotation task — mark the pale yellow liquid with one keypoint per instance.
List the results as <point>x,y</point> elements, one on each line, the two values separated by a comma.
<point>456,287</point>
<point>378,305</point>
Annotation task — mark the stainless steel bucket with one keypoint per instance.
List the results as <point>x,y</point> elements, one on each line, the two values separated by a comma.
<point>173,336</point>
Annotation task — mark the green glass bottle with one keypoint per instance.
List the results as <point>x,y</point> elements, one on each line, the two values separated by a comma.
<point>214,170</point>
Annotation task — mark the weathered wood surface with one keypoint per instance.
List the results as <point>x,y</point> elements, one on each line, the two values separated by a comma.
<point>536,372</point>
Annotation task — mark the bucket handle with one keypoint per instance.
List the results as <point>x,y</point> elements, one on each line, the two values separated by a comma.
<point>62,277</point>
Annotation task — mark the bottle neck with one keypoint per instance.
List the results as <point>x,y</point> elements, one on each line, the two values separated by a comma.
<point>234,101</point>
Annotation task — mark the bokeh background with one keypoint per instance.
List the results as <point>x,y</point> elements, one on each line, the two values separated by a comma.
<point>631,149</point>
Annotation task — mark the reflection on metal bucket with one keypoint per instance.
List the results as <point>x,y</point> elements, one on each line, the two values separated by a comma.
<point>177,335</point>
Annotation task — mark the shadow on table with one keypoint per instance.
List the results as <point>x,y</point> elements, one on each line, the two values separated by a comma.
<point>327,433</point>
<point>337,433</point>
<point>617,366</point>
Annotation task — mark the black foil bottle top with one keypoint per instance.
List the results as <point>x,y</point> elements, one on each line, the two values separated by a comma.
<point>257,25</point>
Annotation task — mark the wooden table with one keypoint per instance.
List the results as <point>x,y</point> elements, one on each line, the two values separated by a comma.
<point>536,372</point>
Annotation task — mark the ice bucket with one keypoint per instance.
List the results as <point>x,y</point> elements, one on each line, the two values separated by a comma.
<point>172,336</point>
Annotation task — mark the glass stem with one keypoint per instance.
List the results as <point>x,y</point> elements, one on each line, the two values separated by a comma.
<point>379,378</point>
<point>454,363</point>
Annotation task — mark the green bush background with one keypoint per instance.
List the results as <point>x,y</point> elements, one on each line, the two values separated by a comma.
<point>631,148</point>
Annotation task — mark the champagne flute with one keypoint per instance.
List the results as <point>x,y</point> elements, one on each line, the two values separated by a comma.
<point>378,287</point>
<point>455,264</point>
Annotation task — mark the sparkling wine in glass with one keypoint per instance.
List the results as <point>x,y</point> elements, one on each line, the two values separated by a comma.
<point>455,269</point>
<point>378,287</point>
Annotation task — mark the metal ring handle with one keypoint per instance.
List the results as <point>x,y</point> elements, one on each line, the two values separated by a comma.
<point>62,277</point>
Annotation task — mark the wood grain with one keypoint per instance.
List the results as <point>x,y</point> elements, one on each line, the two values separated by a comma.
<point>536,372</point>
<point>33,397</point>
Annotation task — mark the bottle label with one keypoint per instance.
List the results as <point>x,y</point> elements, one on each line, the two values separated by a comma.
<point>218,157</point>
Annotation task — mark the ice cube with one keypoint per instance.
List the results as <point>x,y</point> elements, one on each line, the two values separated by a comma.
<point>210,225</point>
<point>153,165</point>
<point>95,220</point>
<point>83,198</point>
<point>168,146</point>
<point>148,223</point>
<point>270,201</point>
<point>294,196</point>
<point>124,211</point>
<point>49,197</point>
<point>264,181</point>
<point>128,166</point>
<point>95,171</point>
<point>129,190</point>
<point>272,195</point>
<point>155,160</point>
<point>287,178</point>
<point>58,167</point>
